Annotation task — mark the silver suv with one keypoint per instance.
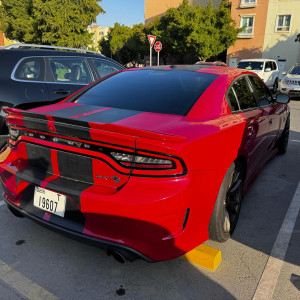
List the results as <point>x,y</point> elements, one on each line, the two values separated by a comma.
<point>290,84</point>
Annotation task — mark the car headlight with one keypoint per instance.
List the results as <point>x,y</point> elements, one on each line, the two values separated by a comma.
<point>286,81</point>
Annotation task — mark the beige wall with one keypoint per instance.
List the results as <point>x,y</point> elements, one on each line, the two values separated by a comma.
<point>282,45</point>
<point>249,47</point>
<point>156,8</point>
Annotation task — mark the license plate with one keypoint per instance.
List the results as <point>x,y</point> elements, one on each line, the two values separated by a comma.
<point>52,202</point>
<point>297,89</point>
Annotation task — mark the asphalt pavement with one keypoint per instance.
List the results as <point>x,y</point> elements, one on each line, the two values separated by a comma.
<point>36,263</point>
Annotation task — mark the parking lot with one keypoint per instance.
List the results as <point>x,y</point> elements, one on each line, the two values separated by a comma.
<point>36,263</point>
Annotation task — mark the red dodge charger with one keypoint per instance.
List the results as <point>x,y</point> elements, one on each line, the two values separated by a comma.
<point>147,162</point>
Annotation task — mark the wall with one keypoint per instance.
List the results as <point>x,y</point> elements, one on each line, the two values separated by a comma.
<point>249,47</point>
<point>156,8</point>
<point>282,45</point>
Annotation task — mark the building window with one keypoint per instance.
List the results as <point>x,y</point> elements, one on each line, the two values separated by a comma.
<point>101,33</point>
<point>248,23</point>
<point>283,23</point>
<point>248,3</point>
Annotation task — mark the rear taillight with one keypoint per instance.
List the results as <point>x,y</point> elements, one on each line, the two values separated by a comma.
<point>143,162</point>
<point>151,164</point>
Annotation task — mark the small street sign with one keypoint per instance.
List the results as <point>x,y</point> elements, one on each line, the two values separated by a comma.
<point>158,46</point>
<point>151,39</point>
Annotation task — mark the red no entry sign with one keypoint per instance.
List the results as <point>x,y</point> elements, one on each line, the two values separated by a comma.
<point>158,46</point>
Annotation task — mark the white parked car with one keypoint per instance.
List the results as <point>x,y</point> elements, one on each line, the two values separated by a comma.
<point>290,84</point>
<point>266,69</point>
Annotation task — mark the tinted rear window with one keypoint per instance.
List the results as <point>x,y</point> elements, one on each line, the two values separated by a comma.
<point>148,90</point>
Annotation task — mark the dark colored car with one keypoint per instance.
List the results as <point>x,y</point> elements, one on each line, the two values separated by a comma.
<point>149,162</point>
<point>31,73</point>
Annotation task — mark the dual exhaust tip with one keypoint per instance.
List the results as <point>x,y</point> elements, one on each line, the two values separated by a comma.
<point>121,255</point>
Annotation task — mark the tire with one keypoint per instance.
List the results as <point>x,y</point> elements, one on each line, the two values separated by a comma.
<point>275,86</point>
<point>227,207</point>
<point>15,212</point>
<point>284,138</point>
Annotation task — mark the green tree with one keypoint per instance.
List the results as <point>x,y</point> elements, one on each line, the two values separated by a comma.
<point>197,31</point>
<point>298,38</point>
<point>125,44</point>
<point>51,22</point>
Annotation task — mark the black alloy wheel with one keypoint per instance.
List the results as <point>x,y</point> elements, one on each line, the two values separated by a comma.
<point>284,139</point>
<point>228,203</point>
<point>233,201</point>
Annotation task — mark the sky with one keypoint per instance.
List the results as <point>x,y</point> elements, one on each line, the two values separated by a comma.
<point>127,12</point>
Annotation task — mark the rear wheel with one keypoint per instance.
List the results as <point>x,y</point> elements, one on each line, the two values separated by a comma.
<point>284,139</point>
<point>228,204</point>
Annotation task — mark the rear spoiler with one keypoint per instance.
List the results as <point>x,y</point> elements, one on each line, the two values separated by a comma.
<point>40,122</point>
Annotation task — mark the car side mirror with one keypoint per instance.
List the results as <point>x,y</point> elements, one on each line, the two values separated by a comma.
<point>284,73</point>
<point>268,70</point>
<point>283,99</point>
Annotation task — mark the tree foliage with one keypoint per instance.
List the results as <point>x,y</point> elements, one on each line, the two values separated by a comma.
<point>51,22</point>
<point>125,43</point>
<point>195,30</point>
<point>298,38</point>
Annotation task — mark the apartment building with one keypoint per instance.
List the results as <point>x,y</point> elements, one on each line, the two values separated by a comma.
<point>271,27</point>
<point>99,32</point>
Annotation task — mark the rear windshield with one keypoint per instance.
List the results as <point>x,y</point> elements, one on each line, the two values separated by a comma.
<point>159,91</point>
<point>250,65</point>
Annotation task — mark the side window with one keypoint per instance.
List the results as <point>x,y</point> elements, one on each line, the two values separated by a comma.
<point>262,93</point>
<point>268,65</point>
<point>244,95</point>
<point>31,69</point>
<point>274,65</point>
<point>70,70</point>
<point>105,67</point>
<point>234,105</point>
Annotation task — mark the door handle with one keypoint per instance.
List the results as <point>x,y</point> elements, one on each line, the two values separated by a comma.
<point>270,121</point>
<point>61,92</point>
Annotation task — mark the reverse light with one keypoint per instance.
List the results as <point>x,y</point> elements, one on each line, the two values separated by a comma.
<point>13,133</point>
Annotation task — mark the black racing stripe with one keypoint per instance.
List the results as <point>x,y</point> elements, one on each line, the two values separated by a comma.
<point>36,124</point>
<point>75,166</point>
<point>73,111</point>
<point>26,114</point>
<point>31,175</point>
<point>70,188</point>
<point>27,202</point>
<point>73,218</point>
<point>39,157</point>
<point>69,130</point>
<point>109,116</point>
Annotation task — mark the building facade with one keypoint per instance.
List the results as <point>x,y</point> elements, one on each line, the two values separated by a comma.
<point>99,32</point>
<point>271,27</point>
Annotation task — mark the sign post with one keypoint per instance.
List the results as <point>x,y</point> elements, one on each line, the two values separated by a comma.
<point>151,39</point>
<point>158,47</point>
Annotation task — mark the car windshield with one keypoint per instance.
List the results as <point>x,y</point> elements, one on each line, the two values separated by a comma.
<point>295,70</point>
<point>149,90</point>
<point>250,65</point>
